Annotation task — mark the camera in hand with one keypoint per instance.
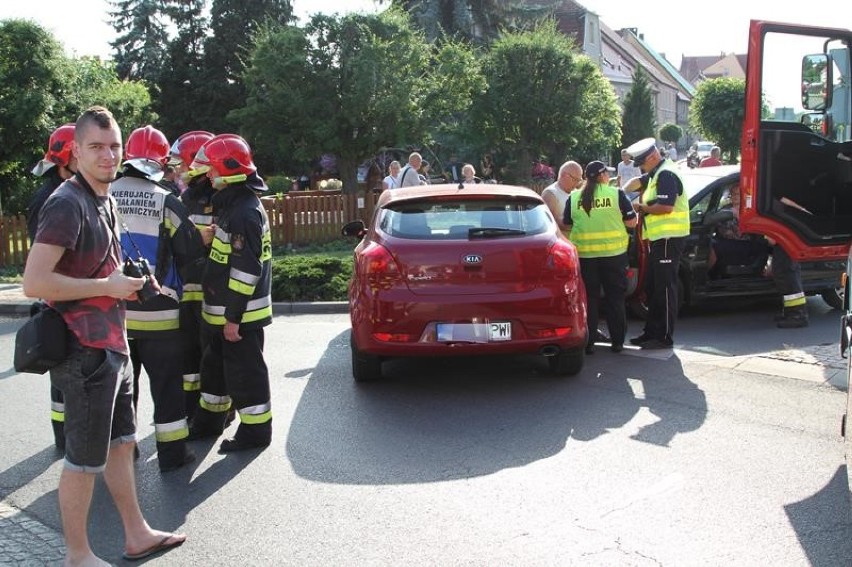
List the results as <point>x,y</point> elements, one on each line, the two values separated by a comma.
<point>140,269</point>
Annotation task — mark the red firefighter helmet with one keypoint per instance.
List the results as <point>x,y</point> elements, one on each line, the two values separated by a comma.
<point>228,154</point>
<point>147,151</point>
<point>147,143</point>
<point>187,145</point>
<point>58,149</point>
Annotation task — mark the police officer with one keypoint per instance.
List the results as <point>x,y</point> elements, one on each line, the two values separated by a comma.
<point>595,219</point>
<point>58,165</point>
<point>156,228</point>
<point>197,196</point>
<point>664,207</point>
<point>237,299</point>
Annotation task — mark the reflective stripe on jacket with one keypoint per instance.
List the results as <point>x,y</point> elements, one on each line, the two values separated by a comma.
<point>237,277</point>
<point>601,232</point>
<point>157,223</point>
<point>669,225</point>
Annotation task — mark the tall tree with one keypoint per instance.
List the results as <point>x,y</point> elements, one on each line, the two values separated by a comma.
<point>30,64</point>
<point>717,113</point>
<point>180,87</point>
<point>478,21</point>
<point>141,34</point>
<point>543,96</point>
<point>638,119</point>
<point>235,26</point>
<point>348,86</point>
<point>88,80</point>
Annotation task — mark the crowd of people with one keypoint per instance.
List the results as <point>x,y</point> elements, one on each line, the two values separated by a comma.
<point>152,253</point>
<point>592,213</point>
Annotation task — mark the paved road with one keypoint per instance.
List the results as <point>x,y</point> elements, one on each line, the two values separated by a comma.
<point>725,453</point>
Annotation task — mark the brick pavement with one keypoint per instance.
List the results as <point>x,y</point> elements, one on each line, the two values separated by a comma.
<point>24,541</point>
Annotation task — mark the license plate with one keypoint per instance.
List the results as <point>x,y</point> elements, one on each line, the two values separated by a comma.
<point>475,332</point>
<point>501,331</point>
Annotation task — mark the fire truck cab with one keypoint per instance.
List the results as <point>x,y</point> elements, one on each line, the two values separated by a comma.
<point>796,183</point>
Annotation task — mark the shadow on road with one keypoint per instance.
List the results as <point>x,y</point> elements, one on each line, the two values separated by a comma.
<point>819,518</point>
<point>439,419</point>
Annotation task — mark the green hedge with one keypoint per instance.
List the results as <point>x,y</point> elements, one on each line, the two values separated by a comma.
<point>310,278</point>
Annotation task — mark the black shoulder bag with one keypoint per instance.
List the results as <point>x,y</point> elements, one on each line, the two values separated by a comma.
<point>40,343</point>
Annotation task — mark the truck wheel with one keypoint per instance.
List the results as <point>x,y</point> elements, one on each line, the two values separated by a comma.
<point>365,367</point>
<point>834,297</point>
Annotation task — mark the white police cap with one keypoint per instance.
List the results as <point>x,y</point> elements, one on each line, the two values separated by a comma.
<point>640,150</point>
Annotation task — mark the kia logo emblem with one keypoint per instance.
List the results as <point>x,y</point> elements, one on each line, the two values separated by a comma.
<point>472,259</point>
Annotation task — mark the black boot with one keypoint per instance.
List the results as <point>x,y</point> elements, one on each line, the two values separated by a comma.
<point>58,435</point>
<point>206,424</point>
<point>255,436</point>
<point>794,318</point>
<point>173,455</point>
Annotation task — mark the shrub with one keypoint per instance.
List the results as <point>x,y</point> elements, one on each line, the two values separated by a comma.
<point>279,184</point>
<point>310,278</point>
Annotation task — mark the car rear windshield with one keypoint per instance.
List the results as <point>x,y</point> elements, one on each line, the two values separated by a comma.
<point>462,220</point>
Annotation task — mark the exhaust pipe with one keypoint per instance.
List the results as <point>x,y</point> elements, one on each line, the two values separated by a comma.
<point>549,350</point>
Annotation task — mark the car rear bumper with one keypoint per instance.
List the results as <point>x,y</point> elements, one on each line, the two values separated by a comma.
<point>402,315</point>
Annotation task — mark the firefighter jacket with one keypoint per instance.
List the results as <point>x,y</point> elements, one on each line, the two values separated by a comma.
<point>237,277</point>
<point>198,199</point>
<point>155,226</point>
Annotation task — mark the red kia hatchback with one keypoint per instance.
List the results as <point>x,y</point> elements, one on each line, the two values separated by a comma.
<point>464,270</point>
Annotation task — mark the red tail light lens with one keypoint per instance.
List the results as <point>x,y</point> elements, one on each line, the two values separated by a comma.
<point>563,259</point>
<point>379,267</point>
<point>556,333</point>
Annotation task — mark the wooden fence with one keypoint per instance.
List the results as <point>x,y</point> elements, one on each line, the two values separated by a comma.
<point>14,243</point>
<point>303,217</point>
<point>306,217</point>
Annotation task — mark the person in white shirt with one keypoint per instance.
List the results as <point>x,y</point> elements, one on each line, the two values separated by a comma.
<point>626,170</point>
<point>392,180</point>
<point>570,177</point>
<point>671,152</point>
<point>410,176</point>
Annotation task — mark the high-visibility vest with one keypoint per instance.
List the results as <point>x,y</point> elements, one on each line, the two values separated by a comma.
<point>600,233</point>
<point>674,223</point>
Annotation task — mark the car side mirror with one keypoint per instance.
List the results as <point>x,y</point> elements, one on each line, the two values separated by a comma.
<point>355,229</point>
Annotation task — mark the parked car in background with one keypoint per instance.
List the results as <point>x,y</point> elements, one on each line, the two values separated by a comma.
<point>709,191</point>
<point>464,270</point>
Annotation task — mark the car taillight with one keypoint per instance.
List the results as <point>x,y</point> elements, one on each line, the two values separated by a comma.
<point>395,337</point>
<point>556,333</point>
<point>379,266</point>
<point>563,260</point>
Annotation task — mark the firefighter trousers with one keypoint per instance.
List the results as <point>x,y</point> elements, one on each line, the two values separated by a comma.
<point>158,357</point>
<point>236,373</point>
<point>192,338</point>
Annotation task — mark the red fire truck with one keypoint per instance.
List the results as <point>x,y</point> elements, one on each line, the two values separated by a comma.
<point>797,165</point>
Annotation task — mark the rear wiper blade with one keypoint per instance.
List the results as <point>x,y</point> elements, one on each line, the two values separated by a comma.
<point>485,232</point>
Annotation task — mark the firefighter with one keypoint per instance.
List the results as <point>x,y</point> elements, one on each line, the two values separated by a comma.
<point>58,165</point>
<point>787,274</point>
<point>197,196</point>
<point>156,228</point>
<point>237,301</point>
